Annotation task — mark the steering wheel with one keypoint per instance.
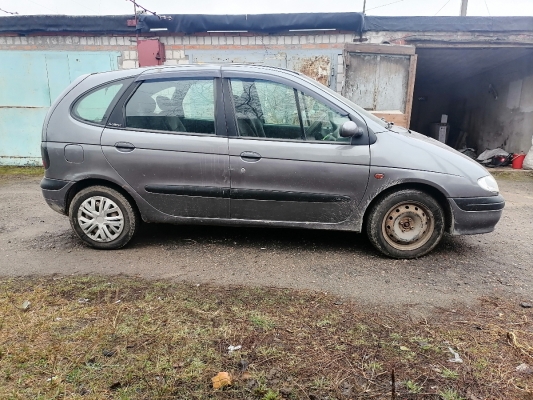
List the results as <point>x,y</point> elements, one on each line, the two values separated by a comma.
<point>330,138</point>
<point>315,130</point>
<point>333,136</point>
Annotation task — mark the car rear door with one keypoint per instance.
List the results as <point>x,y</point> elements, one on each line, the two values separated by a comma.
<point>167,139</point>
<point>286,162</point>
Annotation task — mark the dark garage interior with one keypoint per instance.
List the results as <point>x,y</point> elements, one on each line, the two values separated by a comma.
<point>487,94</point>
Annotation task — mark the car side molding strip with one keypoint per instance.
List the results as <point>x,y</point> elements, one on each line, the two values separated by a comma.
<point>255,194</point>
<point>198,191</point>
<point>246,194</point>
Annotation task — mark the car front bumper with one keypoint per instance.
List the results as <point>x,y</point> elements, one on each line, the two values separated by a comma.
<point>55,193</point>
<point>475,215</point>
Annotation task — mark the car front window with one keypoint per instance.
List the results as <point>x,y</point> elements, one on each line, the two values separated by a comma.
<point>271,110</point>
<point>361,111</point>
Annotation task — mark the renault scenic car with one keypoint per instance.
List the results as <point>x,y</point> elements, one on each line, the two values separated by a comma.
<point>252,146</point>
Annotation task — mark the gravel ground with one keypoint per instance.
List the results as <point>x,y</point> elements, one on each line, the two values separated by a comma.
<point>34,240</point>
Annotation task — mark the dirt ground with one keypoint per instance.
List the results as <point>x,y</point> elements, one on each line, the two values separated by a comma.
<point>34,240</point>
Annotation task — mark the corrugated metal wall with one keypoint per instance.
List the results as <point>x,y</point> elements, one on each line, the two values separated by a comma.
<point>378,82</point>
<point>30,81</point>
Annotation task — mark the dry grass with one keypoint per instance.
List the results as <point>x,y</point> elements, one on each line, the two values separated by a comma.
<point>11,172</point>
<point>513,175</point>
<point>125,338</point>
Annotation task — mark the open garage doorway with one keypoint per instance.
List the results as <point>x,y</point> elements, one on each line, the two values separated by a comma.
<point>485,92</point>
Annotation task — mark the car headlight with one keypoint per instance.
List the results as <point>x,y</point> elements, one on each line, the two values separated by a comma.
<point>489,183</point>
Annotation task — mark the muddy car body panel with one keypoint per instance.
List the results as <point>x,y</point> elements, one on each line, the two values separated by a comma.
<point>250,145</point>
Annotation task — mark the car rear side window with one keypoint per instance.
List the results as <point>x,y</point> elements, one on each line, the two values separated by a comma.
<point>94,106</point>
<point>181,105</point>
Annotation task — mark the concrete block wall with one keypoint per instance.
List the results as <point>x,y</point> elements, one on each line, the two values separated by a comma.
<point>179,47</point>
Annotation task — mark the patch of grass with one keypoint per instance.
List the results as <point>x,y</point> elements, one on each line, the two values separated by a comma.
<point>395,336</point>
<point>374,367</point>
<point>512,175</point>
<point>450,394</point>
<point>449,374</point>
<point>321,383</point>
<point>268,351</point>
<point>480,365</point>
<point>413,387</point>
<point>167,340</point>
<point>323,323</point>
<point>271,395</point>
<point>12,171</point>
<point>260,321</point>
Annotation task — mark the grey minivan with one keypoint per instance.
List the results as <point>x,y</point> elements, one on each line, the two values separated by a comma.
<point>252,146</point>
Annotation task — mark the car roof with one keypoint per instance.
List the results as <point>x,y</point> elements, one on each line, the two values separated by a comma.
<point>199,67</point>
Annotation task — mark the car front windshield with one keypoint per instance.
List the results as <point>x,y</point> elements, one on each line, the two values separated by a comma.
<point>349,103</point>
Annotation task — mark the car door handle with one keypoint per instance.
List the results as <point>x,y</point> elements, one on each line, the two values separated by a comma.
<point>124,147</point>
<point>250,156</point>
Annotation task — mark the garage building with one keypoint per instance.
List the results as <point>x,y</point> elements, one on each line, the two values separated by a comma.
<point>476,71</point>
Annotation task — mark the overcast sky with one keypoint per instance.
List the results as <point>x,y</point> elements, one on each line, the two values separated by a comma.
<point>374,7</point>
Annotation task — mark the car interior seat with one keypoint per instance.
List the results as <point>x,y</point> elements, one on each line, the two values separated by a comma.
<point>141,111</point>
<point>248,120</point>
<point>170,113</point>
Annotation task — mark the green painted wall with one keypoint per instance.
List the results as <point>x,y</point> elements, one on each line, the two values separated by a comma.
<point>30,81</point>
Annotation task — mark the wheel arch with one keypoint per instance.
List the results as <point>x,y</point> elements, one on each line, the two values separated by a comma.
<point>430,190</point>
<point>88,182</point>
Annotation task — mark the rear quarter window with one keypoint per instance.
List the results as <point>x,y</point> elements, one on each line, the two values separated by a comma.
<point>94,106</point>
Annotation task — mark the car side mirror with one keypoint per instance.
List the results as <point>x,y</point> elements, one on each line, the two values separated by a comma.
<point>350,129</point>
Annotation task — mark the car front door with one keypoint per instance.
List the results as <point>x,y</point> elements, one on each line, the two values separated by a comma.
<point>287,160</point>
<point>167,139</point>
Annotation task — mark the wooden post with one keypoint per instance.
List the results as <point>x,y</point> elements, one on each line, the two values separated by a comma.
<point>364,7</point>
<point>410,90</point>
<point>464,6</point>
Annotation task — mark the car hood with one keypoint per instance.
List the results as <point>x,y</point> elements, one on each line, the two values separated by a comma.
<point>401,148</point>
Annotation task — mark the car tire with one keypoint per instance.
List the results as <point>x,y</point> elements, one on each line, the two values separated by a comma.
<point>103,218</point>
<point>405,224</point>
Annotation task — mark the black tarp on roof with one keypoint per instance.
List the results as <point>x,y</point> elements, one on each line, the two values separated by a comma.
<point>66,23</point>
<point>182,23</point>
<point>267,23</point>
<point>448,24</point>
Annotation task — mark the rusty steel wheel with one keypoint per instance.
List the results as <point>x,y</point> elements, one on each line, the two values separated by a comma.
<point>405,224</point>
<point>408,226</point>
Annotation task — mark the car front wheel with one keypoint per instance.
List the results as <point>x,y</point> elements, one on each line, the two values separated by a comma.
<point>103,218</point>
<point>405,224</point>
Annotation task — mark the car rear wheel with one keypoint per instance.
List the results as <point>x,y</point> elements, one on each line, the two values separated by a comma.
<point>405,224</point>
<point>103,218</point>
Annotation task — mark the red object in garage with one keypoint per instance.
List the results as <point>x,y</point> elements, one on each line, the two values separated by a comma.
<point>518,160</point>
<point>151,52</point>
